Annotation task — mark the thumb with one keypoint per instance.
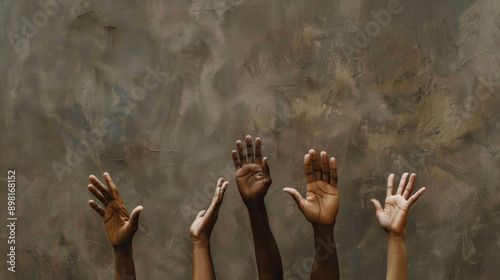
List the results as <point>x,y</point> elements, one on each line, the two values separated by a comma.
<point>134,217</point>
<point>296,196</point>
<point>201,214</point>
<point>377,206</point>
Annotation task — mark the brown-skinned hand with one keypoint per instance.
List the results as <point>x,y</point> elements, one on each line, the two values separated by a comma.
<point>202,227</point>
<point>321,205</point>
<point>120,226</point>
<point>392,218</point>
<point>252,171</point>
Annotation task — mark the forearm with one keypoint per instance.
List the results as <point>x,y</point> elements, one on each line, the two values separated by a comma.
<point>266,250</point>
<point>326,264</point>
<point>124,262</point>
<point>396,257</point>
<point>203,268</point>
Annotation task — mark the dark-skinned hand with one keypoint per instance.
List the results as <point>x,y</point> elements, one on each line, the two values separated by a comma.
<point>202,227</point>
<point>120,226</point>
<point>321,205</point>
<point>252,171</point>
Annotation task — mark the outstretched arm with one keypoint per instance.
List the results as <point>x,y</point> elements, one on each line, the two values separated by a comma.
<point>392,219</point>
<point>253,180</point>
<point>200,231</point>
<point>320,207</point>
<point>120,226</point>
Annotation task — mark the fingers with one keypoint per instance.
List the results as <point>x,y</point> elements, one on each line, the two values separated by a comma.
<point>377,206</point>
<point>308,171</point>
<point>409,186</point>
<point>265,166</point>
<point>100,186</point>
<point>218,196</point>
<point>221,190</point>
<point>97,208</point>
<point>316,165</point>
<point>134,217</point>
<point>258,151</point>
<point>402,184</point>
<point>296,196</point>
<point>390,185</point>
<point>333,172</point>
<point>97,194</point>
<point>239,147</point>
<point>111,185</point>
<point>325,168</point>
<point>415,196</point>
<point>248,140</point>
<point>236,160</point>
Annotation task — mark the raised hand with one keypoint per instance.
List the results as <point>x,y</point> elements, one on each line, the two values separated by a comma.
<point>200,231</point>
<point>120,226</point>
<point>202,227</point>
<point>252,172</point>
<point>392,218</point>
<point>253,180</point>
<point>320,207</point>
<point>321,204</point>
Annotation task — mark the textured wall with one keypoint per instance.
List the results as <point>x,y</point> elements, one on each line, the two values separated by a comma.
<point>156,92</point>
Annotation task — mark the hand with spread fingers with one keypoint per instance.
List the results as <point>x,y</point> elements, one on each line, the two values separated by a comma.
<point>200,232</point>
<point>253,180</point>
<point>120,226</point>
<point>392,219</point>
<point>252,171</point>
<point>320,207</point>
<point>321,204</point>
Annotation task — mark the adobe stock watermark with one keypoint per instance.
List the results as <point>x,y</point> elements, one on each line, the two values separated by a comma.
<point>487,84</point>
<point>372,29</point>
<point>202,198</point>
<point>121,108</point>
<point>31,26</point>
<point>323,250</point>
<point>281,113</point>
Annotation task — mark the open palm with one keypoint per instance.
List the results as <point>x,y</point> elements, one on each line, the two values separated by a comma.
<point>120,226</point>
<point>321,204</point>
<point>392,218</point>
<point>252,171</point>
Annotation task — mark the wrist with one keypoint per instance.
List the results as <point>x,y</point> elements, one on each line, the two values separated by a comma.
<point>328,228</point>
<point>323,231</point>
<point>257,204</point>
<point>200,242</point>
<point>395,236</point>
<point>122,249</point>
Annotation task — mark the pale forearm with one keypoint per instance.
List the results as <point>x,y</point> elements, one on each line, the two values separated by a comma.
<point>266,250</point>
<point>396,257</point>
<point>203,268</point>
<point>326,264</point>
<point>124,262</point>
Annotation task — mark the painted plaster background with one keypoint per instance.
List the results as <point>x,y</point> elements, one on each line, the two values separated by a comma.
<point>157,92</point>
